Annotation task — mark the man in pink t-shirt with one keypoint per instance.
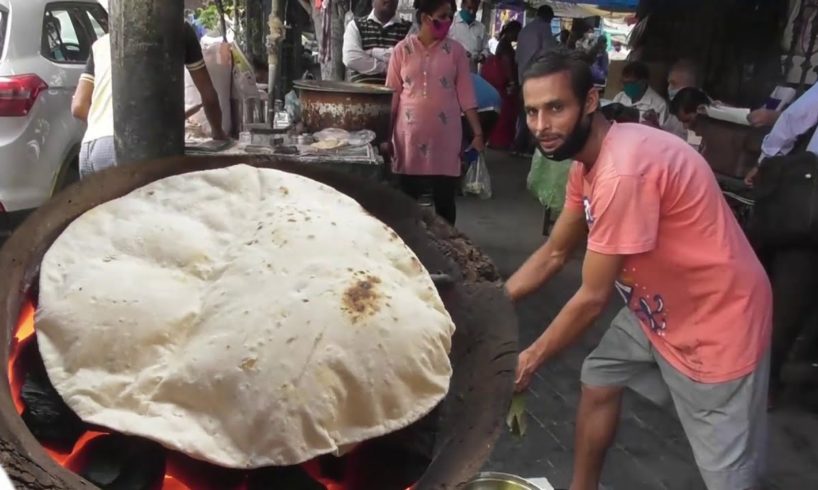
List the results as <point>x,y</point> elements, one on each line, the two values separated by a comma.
<point>697,321</point>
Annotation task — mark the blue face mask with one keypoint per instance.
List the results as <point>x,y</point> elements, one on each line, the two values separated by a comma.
<point>467,16</point>
<point>633,90</point>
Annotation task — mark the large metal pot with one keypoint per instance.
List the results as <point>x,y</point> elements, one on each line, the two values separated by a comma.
<point>492,480</point>
<point>346,105</point>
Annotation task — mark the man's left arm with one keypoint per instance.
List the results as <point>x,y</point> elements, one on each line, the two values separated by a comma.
<point>799,118</point>
<point>485,52</point>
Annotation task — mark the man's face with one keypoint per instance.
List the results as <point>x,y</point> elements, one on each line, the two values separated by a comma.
<point>687,118</point>
<point>634,87</point>
<point>553,110</point>
<point>471,5</point>
<point>678,79</point>
<point>385,9</point>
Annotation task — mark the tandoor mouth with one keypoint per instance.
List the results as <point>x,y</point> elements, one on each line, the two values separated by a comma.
<point>441,451</point>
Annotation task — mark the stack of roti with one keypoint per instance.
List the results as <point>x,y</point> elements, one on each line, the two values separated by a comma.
<point>246,317</point>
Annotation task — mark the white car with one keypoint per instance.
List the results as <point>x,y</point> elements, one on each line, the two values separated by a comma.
<point>44,45</point>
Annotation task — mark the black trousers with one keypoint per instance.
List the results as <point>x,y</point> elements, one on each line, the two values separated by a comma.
<point>794,276</point>
<point>442,187</point>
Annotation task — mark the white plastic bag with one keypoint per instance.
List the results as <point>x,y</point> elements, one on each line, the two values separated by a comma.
<point>478,180</point>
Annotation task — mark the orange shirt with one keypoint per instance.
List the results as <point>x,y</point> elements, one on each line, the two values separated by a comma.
<point>690,275</point>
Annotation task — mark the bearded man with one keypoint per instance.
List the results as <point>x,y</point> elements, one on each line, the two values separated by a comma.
<point>697,317</point>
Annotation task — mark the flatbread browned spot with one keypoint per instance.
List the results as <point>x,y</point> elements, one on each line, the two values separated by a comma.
<point>362,298</point>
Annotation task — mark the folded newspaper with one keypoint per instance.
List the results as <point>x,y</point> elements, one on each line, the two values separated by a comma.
<point>737,115</point>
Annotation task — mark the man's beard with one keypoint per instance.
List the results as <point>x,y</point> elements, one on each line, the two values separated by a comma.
<point>575,141</point>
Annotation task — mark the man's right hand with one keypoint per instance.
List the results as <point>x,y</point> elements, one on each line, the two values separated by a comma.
<point>751,176</point>
<point>761,118</point>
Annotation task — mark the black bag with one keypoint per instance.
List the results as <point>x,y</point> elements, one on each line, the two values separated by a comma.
<point>786,201</point>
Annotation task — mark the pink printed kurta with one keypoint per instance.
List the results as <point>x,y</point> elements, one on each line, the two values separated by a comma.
<point>432,87</point>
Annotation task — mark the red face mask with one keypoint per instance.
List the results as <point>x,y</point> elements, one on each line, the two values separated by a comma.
<point>440,28</point>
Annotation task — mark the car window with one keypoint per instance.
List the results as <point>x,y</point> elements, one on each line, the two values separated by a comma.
<point>98,20</point>
<point>66,37</point>
<point>3,18</point>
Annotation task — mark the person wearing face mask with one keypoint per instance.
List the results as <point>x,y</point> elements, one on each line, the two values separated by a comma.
<point>638,94</point>
<point>695,327</point>
<point>684,74</point>
<point>432,85</point>
<point>470,33</point>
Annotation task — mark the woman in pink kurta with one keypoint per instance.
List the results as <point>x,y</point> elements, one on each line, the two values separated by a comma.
<point>432,82</point>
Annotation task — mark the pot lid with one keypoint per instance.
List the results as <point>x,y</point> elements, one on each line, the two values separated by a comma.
<point>342,87</point>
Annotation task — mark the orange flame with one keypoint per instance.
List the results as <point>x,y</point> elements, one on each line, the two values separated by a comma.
<point>24,330</point>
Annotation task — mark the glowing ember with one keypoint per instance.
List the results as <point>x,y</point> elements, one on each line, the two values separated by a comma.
<point>25,329</point>
<point>181,472</point>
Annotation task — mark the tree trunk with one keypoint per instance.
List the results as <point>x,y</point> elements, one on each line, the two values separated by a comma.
<point>333,68</point>
<point>149,111</point>
<point>255,32</point>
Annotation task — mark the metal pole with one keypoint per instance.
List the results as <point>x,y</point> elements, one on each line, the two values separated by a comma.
<point>147,63</point>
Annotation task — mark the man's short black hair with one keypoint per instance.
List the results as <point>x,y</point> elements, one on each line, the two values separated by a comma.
<point>561,59</point>
<point>636,70</point>
<point>688,100</point>
<point>545,12</point>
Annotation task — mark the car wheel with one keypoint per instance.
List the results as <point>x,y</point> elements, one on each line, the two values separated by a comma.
<point>69,173</point>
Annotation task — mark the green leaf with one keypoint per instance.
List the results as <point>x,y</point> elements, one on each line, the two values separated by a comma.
<point>515,420</point>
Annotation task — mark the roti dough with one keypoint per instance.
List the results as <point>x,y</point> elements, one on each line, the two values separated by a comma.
<point>247,317</point>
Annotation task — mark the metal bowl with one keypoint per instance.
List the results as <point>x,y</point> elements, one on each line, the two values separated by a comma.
<point>492,480</point>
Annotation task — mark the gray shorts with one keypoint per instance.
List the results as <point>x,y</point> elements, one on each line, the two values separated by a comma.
<point>726,423</point>
<point>97,155</point>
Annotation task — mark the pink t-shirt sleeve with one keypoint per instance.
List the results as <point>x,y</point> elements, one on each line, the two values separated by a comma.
<point>573,189</point>
<point>625,216</point>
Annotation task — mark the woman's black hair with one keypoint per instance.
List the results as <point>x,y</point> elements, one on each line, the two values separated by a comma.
<point>561,59</point>
<point>429,7</point>
<point>510,27</point>
<point>688,100</point>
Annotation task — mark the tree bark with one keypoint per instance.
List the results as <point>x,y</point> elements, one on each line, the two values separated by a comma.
<point>148,101</point>
<point>255,31</point>
<point>332,69</point>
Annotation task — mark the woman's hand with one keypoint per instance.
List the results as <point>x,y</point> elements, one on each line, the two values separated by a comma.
<point>386,149</point>
<point>478,143</point>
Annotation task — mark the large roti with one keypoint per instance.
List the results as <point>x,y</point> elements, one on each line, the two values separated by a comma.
<point>247,317</point>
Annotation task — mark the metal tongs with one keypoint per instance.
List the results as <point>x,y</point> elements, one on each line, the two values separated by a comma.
<point>442,280</point>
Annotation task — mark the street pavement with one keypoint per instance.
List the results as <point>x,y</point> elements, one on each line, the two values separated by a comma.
<point>651,451</point>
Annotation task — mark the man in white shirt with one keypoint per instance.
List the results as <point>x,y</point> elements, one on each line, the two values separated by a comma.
<point>794,123</point>
<point>368,42</point>
<point>683,74</point>
<point>470,33</point>
<point>638,94</point>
